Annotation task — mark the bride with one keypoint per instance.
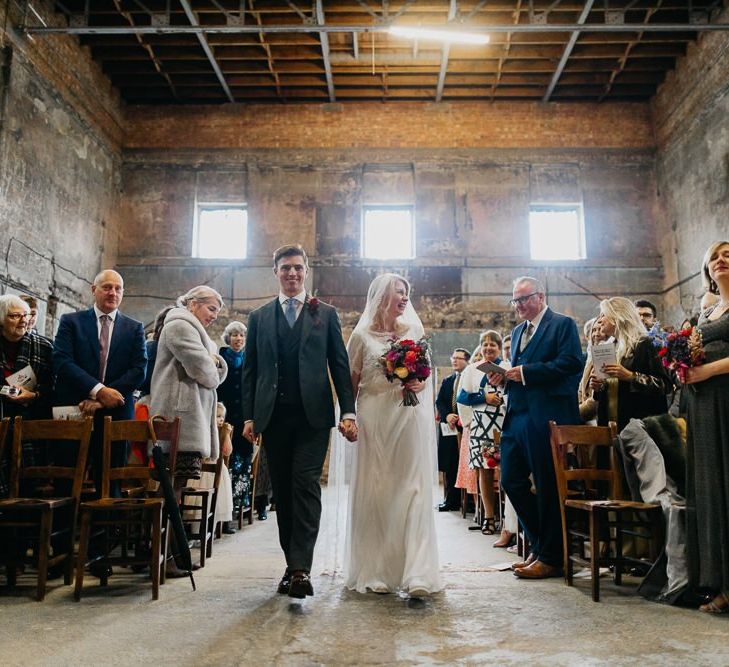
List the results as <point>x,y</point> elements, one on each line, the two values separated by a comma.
<point>391,542</point>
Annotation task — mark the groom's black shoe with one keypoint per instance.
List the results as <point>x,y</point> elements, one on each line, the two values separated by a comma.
<point>284,584</point>
<point>300,585</point>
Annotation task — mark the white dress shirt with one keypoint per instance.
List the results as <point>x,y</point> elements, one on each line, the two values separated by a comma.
<point>112,315</point>
<point>300,300</point>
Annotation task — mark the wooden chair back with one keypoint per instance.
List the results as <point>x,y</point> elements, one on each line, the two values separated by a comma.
<point>585,454</point>
<point>61,432</point>
<point>134,430</point>
<point>4,428</point>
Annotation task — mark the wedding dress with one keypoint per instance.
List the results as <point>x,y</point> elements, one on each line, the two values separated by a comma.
<point>390,539</point>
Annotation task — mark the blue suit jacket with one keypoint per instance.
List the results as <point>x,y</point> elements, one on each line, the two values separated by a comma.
<point>76,360</point>
<point>552,366</point>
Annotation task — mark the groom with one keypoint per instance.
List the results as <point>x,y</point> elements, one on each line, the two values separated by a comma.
<point>292,342</point>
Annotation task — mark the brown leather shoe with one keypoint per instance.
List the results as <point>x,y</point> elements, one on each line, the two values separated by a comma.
<point>524,563</point>
<point>538,570</point>
<point>300,585</point>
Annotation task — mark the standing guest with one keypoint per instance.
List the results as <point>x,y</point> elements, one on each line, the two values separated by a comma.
<point>585,397</point>
<point>448,444</point>
<point>33,305</point>
<point>638,383</point>
<point>99,359</point>
<point>707,501</point>
<point>294,345</point>
<point>541,387</point>
<point>186,375</point>
<point>159,321</point>
<point>481,408</point>
<point>507,348</point>
<point>21,347</point>
<point>647,313</point>
<point>230,393</point>
<point>707,300</point>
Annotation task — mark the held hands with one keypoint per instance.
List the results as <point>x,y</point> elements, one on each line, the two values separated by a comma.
<point>496,379</point>
<point>348,428</point>
<point>416,386</point>
<point>109,398</point>
<point>23,397</point>
<point>452,420</point>
<point>595,383</point>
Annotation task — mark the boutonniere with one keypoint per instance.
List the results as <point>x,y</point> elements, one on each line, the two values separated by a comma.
<point>312,303</point>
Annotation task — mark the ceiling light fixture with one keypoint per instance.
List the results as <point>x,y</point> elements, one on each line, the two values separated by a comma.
<point>450,36</point>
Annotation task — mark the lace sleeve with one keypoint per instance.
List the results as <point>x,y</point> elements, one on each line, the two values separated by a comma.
<point>355,350</point>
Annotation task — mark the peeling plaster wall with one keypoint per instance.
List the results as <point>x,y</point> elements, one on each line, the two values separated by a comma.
<point>59,173</point>
<point>471,215</point>
<point>692,165</point>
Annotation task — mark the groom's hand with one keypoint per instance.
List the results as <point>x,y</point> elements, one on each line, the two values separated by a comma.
<point>249,431</point>
<point>348,428</point>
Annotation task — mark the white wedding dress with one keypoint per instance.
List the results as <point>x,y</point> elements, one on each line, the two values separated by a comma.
<point>390,541</point>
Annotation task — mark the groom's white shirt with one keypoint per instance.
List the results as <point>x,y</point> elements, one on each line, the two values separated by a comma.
<point>300,301</point>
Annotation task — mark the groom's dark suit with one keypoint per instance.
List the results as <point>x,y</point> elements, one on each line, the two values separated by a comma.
<point>287,393</point>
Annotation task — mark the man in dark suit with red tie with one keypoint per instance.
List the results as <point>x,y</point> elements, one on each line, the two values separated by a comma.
<point>99,359</point>
<point>547,362</point>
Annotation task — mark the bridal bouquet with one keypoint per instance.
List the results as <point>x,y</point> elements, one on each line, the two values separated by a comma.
<point>675,351</point>
<point>406,360</point>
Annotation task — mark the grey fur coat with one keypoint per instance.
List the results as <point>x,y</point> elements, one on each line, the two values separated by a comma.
<point>184,381</point>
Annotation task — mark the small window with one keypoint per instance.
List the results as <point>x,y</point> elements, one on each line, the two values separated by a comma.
<point>388,232</point>
<point>557,231</point>
<point>221,231</point>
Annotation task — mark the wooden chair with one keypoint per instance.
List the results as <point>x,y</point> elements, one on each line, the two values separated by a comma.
<point>41,520</point>
<point>140,510</point>
<point>204,512</point>
<point>4,428</point>
<point>248,511</point>
<point>593,513</point>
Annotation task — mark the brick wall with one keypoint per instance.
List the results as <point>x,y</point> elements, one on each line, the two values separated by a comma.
<point>396,125</point>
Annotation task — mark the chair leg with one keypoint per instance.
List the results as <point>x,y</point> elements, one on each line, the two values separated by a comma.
<point>203,529</point>
<point>210,534</point>
<point>83,553</point>
<point>44,545</point>
<point>594,558</point>
<point>618,567</point>
<point>154,562</point>
<point>165,550</point>
<point>218,530</point>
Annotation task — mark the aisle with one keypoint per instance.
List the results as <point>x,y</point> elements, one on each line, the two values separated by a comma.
<point>236,618</point>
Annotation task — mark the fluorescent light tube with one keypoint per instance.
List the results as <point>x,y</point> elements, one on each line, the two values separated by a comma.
<point>453,36</point>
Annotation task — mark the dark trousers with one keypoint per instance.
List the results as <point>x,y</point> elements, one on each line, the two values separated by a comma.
<point>525,450</point>
<point>448,454</point>
<point>296,454</point>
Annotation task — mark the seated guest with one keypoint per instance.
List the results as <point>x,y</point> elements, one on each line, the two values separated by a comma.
<point>638,383</point>
<point>647,313</point>
<point>19,348</point>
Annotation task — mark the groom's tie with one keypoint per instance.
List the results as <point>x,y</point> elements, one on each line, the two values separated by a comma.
<point>291,312</point>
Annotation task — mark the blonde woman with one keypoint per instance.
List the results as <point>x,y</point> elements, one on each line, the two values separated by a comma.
<point>638,383</point>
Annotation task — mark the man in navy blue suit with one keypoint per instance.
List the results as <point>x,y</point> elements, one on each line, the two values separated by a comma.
<point>547,362</point>
<point>99,359</point>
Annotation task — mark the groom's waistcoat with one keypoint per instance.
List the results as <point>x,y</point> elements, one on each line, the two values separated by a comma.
<point>289,343</point>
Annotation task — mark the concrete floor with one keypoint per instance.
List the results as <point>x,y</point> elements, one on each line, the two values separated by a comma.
<point>484,616</point>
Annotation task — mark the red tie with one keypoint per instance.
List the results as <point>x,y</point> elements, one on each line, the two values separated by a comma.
<point>103,346</point>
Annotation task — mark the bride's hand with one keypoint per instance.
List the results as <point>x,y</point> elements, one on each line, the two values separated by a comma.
<point>415,386</point>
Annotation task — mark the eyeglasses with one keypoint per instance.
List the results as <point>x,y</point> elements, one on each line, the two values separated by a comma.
<point>522,299</point>
<point>458,358</point>
<point>18,316</point>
